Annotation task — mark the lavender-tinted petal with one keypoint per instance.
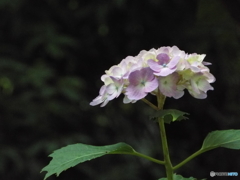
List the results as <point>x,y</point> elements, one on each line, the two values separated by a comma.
<point>210,77</point>
<point>173,63</point>
<point>102,90</point>
<point>135,77</point>
<point>164,72</point>
<point>194,87</point>
<point>104,103</point>
<point>147,74</point>
<point>154,65</point>
<point>175,50</point>
<point>206,63</point>
<point>96,101</point>
<point>135,93</point>
<point>200,95</point>
<point>178,94</point>
<point>195,69</point>
<point>112,96</point>
<point>126,100</point>
<point>117,72</point>
<point>163,58</point>
<point>204,85</point>
<point>151,86</point>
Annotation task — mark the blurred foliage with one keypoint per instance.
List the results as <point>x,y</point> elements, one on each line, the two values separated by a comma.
<point>52,54</point>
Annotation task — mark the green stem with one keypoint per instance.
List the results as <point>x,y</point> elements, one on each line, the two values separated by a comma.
<point>150,104</point>
<point>168,164</point>
<point>197,153</point>
<point>161,100</point>
<point>143,156</point>
<point>149,158</point>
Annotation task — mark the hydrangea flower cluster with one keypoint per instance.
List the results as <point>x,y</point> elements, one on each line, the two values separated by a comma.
<point>166,69</point>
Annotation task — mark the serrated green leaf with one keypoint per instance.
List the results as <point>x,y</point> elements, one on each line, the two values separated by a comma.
<point>70,156</point>
<point>179,177</point>
<point>224,138</point>
<point>170,115</point>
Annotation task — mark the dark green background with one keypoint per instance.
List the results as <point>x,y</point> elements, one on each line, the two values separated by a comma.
<point>52,55</point>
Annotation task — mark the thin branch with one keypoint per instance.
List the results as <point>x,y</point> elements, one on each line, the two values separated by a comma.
<point>150,104</point>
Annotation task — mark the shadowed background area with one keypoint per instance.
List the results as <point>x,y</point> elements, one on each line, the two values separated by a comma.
<point>52,55</point>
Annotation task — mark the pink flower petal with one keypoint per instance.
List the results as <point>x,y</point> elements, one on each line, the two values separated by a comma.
<point>154,65</point>
<point>173,63</point>
<point>164,72</point>
<point>141,82</point>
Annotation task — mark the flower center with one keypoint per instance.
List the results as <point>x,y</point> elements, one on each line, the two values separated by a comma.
<point>143,83</point>
<point>164,65</point>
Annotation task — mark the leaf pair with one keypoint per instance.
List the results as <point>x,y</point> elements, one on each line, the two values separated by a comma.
<point>72,155</point>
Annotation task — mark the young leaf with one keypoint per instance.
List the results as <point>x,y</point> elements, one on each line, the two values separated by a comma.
<point>179,177</point>
<point>224,138</point>
<point>72,155</point>
<point>170,115</point>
